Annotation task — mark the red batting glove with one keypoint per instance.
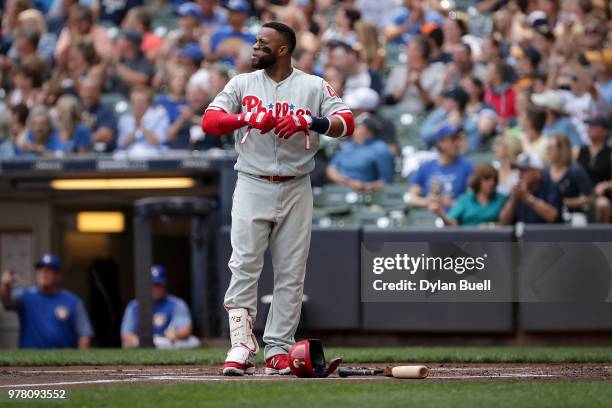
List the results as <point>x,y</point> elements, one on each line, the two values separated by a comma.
<point>291,124</point>
<point>263,121</point>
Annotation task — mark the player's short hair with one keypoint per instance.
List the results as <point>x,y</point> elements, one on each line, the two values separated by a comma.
<point>286,31</point>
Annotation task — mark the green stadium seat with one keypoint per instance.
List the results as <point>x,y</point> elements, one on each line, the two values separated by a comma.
<point>116,101</point>
<point>336,199</point>
<point>393,196</point>
<point>372,218</point>
<point>422,217</point>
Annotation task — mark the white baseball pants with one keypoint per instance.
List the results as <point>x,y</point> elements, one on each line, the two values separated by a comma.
<point>279,216</point>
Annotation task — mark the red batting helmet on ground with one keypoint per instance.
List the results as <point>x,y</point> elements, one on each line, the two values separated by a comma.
<point>306,360</point>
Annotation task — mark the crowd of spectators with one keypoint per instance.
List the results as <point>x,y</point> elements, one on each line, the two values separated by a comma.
<point>529,81</point>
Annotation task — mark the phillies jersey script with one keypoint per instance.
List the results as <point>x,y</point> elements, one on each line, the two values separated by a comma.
<point>298,94</point>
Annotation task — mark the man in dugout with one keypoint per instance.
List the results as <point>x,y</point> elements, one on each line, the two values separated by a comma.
<point>49,316</point>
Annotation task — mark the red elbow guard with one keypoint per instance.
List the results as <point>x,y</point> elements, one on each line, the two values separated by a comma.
<point>349,122</point>
<point>216,122</point>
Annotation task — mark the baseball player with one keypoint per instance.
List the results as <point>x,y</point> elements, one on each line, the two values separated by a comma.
<point>277,113</point>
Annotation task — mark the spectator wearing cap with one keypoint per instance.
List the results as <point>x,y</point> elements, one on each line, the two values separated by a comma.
<point>556,119</point>
<point>191,57</point>
<point>172,327</point>
<point>500,94</point>
<point>452,110</point>
<point>530,133</point>
<point>131,68</point>
<point>42,138</point>
<point>506,149</point>
<point>527,61</point>
<point>226,41</point>
<point>406,21</point>
<point>356,72</point>
<point>49,316</point>
<point>571,179</point>
<point>596,159</point>
<point>189,18</point>
<point>97,117</point>
<point>442,179</point>
<point>481,205</point>
<point>143,131</point>
<point>365,101</point>
<point>415,86</point>
<point>81,24</point>
<point>435,38</point>
<point>534,199</point>
<point>365,162</point>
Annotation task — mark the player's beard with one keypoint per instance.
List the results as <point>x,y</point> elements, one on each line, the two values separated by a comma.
<point>265,61</point>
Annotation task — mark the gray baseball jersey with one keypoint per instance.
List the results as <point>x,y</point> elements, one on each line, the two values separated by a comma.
<point>299,93</point>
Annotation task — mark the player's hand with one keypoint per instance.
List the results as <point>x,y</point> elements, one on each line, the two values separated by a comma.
<point>290,125</point>
<point>264,122</point>
<point>7,279</point>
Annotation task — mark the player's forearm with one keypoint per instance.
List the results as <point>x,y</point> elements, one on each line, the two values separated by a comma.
<point>216,122</point>
<point>340,125</point>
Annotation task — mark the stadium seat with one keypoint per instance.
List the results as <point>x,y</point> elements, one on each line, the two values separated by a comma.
<point>116,101</point>
<point>393,197</point>
<point>372,218</point>
<point>423,218</point>
<point>337,199</point>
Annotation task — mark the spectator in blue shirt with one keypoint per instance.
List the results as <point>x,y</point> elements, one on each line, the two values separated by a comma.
<point>407,21</point>
<point>76,135</point>
<point>98,118</point>
<point>226,42</point>
<point>365,162</point>
<point>445,178</point>
<point>481,205</point>
<point>49,316</point>
<point>42,139</point>
<point>171,319</point>
<point>534,199</point>
<point>7,148</point>
<point>452,110</point>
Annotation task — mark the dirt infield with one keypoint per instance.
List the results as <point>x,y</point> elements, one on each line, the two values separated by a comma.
<point>68,377</point>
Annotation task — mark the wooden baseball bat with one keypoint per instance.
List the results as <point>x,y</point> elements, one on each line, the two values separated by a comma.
<point>417,371</point>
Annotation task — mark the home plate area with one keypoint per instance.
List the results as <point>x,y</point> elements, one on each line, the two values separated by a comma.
<point>80,376</point>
